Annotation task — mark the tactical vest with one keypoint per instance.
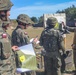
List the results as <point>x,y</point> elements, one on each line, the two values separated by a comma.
<point>50,40</point>
<point>5,46</point>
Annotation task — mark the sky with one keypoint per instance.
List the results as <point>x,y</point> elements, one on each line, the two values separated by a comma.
<point>36,8</point>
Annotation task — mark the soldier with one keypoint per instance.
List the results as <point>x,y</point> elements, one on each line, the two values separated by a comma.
<point>18,35</point>
<point>7,66</point>
<point>51,40</point>
<point>73,29</point>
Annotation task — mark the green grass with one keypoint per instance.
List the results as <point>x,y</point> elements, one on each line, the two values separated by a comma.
<point>33,32</point>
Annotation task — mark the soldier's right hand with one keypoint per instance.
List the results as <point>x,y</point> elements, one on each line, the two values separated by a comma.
<point>15,48</point>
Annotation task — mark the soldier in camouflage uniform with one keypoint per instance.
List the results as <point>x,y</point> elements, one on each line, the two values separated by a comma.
<point>7,66</point>
<point>73,29</point>
<point>19,37</point>
<point>51,40</point>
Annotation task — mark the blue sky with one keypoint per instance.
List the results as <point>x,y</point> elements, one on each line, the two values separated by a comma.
<point>38,7</point>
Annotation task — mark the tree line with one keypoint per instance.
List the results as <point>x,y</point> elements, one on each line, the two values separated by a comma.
<point>70,15</point>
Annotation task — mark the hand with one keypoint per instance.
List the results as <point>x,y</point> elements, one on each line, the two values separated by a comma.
<point>25,33</point>
<point>15,48</point>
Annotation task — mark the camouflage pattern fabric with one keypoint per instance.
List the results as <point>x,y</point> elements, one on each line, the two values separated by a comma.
<point>74,55</point>
<point>51,21</point>
<point>5,4</point>
<point>7,67</point>
<point>7,59</point>
<point>73,29</point>
<point>51,40</point>
<point>24,18</point>
<point>20,39</point>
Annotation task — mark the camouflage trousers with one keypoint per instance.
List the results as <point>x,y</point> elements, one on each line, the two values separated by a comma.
<point>74,56</point>
<point>52,65</point>
<point>8,66</point>
<point>29,73</point>
<point>7,69</point>
<point>10,72</point>
<point>63,64</point>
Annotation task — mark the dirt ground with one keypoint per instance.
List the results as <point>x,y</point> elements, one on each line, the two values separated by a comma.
<point>69,40</point>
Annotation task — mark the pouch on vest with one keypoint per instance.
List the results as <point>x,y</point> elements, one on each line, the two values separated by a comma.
<point>5,47</point>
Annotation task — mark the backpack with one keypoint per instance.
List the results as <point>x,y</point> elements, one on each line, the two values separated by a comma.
<point>51,40</point>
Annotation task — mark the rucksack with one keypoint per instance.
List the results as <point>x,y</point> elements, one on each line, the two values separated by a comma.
<point>50,40</point>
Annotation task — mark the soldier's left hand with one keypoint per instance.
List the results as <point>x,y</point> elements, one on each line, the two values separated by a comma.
<point>15,48</point>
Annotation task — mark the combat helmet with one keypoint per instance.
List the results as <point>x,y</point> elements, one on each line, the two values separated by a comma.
<point>5,5</point>
<point>51,21</point>
<point>24,19</point>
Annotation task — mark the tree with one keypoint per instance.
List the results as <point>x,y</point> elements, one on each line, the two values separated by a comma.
<point>34,19</point>
<point>40,19</point>
<point>70,15</point>
<point>70,12</point>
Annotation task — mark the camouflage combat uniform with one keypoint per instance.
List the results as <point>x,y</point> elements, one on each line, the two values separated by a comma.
<point>19,37</point>
<point>7,66</point>
<point>51,40</point>
<point>73,29</point>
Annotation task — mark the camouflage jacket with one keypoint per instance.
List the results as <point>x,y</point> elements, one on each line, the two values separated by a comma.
<point>6,53</point>
<point>19,38</point>
<point>73,29</point>
<point>51,40</point>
